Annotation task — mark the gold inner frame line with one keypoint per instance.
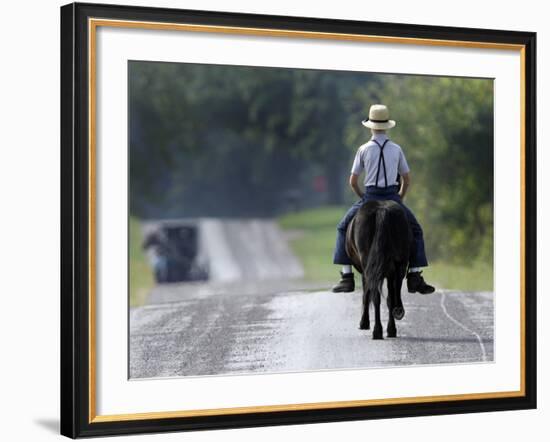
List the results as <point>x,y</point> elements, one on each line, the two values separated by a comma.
<point>93,23</point>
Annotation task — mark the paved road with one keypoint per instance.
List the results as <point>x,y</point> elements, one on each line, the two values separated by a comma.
<point>208,334</point>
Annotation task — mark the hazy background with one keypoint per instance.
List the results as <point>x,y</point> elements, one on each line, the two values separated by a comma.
<point>231,142</point>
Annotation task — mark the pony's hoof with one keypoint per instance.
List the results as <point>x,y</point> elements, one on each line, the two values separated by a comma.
<point>392,334</point>
<point>377,336</point>
<point>364,326</point>
<point>398,313</point>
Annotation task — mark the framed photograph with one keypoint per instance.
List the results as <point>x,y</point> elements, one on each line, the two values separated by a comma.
<point>273,220</point>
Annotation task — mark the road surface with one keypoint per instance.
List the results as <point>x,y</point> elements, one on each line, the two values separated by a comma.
<point>228,333</point>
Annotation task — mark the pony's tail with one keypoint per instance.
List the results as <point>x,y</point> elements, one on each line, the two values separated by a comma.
<point>374,270</point>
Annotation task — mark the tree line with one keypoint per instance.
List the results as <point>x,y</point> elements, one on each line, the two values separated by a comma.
<point>209,140</point>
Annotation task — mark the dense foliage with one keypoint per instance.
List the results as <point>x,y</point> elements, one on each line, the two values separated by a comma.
<point>244,141</point>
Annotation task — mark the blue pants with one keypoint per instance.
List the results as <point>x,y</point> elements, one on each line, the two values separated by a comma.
<point>418,255</point>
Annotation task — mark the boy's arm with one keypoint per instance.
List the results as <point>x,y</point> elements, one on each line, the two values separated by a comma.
<point>356,170</point>
<point>404,171</point>
<point>354,184</point>
<point>405,183</point>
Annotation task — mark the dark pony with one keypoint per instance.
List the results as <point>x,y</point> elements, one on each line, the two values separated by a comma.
<point>379,241</point>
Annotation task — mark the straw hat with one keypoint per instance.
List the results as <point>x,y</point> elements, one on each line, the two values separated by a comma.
<point>379,118</point>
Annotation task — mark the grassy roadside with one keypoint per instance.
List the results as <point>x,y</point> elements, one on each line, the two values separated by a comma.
<point>140,275</point>
<point>313,244</point>
<point>478,277</point>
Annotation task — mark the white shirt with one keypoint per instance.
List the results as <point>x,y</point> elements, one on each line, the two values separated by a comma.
<point>367,156</point>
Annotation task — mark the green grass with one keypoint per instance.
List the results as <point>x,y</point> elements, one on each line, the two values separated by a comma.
<point>314,246</point>
<point>141,276</point>
<point>478,277</point>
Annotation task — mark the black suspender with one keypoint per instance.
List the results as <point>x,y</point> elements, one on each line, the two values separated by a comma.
<point>382,161</point>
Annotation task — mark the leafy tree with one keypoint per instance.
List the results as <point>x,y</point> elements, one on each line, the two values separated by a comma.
<point>445,126</point>
<point>249,135</point>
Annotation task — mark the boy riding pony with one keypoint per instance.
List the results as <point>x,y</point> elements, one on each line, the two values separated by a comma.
<point>382,161</point>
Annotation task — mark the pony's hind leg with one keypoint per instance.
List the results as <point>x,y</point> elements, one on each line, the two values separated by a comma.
<point>398,309</point>
<point>365,321</point>
<point>391,329</point>
<point>377,332</point>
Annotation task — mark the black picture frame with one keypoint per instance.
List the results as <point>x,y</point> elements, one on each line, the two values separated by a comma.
<point>76,404</point>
